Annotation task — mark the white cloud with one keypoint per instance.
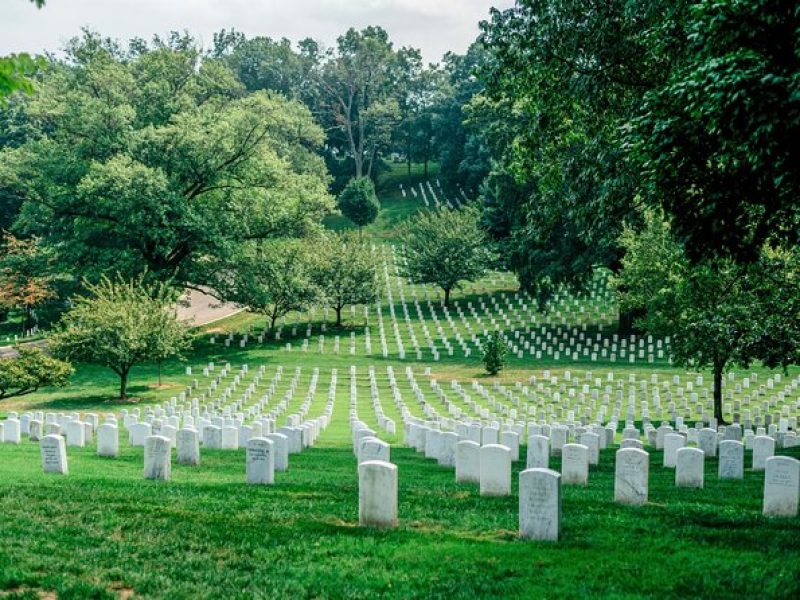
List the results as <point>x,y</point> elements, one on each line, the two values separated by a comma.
<point>435,26</point>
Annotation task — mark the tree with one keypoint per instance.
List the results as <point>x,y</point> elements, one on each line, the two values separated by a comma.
<point>151,159</point>
<point>32,370</point>
<point>357,89</point>
<point>345,272</point>
<point>121,324</point>
<point>717,142</point>
<point>358,202</point>
<point>494,354</point>
<point>718,312</point>
<point>563,80</point>
<point>444,248</point>
<point>26,279</point>
<point>273,279</point>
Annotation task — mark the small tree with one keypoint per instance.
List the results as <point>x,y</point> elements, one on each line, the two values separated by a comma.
<point>717,312</point>
<point>274,280</point>
<point>121,324</point>
<point>32,370</point>
<point>494,354</point>
<point>25,279</point>
<point>358,201</point>
<point>344,272</point>
<point>445,247</point>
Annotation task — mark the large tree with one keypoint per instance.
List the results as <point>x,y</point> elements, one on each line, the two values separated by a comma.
<point>152,158</point>
<point>358,86</point>
<point>718,312</point>
<point>444,248</point>
<point>718,142</point>
<point>358,202</point>
<point>121,324</point>
<point>563,79</point>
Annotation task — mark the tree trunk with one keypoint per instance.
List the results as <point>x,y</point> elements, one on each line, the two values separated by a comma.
<point>718,369</point>
<point>426,167</point>
<point>159,373</point>
<point>272,319</point>
<point>123,385</point>
<point>447,296</point>
<point>339,316</point>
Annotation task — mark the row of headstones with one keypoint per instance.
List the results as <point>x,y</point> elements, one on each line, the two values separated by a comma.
<point>264,455</point>
<point>540,506</point>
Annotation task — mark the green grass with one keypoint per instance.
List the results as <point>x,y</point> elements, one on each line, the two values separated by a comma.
<point>206,534</point>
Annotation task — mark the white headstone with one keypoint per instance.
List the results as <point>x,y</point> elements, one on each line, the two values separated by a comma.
<point>781,486</point>
<point>631,473</point>
<point>538,453</point>
<point>280,450</point>
<point>108,440</point>
<point>377,494</point>
<point>689,467</point>
<point>672,443</point>
<point>495,470</point>
<point>187,441</point>
<point>468,462</point>
<point>763,448</point>
<point>157,458</point>
<point>539,504</point>
<point>260,461</point>
<point>574,464</point>
<point>731,459</point>
<point>53,450</point>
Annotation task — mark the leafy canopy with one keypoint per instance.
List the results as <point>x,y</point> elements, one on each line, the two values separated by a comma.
<point>121,324</point>
<point>358,201</point>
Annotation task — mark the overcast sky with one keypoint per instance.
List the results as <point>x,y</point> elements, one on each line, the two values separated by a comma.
<point>435,26</point>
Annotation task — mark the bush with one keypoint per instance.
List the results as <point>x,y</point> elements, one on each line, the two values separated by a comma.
<point>494,355</point>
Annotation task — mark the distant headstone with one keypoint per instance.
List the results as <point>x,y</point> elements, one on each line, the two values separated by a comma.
<point>35,430</point>
<point>707,441</point>
<point>371,448</point>
<point>76,434</point>
<point>539,504</point>
<point>212,437</point>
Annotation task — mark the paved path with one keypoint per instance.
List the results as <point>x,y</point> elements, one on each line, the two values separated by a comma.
<point>202,309</point>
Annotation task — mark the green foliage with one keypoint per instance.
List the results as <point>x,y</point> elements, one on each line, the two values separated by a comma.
<point>344,271</point>
<point>152,159</point>
<point>358,201</point>
<point>273,278</point>
<point>33,369</point>
<point>445,247</point>
<point>718,312</point>
<point>15,72</point>
<point>494,354</point>
<point>121,324</point>
<point>717,143</point>
<point>563,81</point>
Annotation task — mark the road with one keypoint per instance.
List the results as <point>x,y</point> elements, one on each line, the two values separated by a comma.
<point>201,309</point>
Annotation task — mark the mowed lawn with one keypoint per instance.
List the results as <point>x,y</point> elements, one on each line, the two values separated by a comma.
<point>104,531</point>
